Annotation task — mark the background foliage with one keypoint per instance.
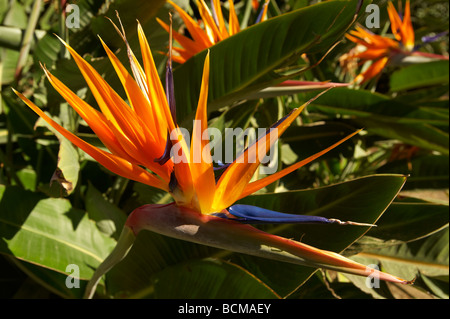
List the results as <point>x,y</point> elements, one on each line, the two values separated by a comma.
<point>58,207</point>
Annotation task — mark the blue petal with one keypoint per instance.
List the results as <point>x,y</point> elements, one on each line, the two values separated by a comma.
<point>213,10</point>
<point>256,215</point>
<point>221,166</point>
<point>259,18</point>
<point>433,38</point>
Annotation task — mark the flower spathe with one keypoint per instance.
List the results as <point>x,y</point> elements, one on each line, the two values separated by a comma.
<point>136,136</point>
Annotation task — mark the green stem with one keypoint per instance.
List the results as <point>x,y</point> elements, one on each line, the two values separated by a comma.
<point>28,37</point>
<point>124,244</point>
<point>63,32</point>
<point>247,12</point>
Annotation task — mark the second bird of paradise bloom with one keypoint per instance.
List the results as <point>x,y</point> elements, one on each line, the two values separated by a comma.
<point>214,27</point>
<point>382,50</point>
<point>137,138</point>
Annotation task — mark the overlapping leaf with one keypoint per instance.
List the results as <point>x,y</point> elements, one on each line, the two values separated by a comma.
<point>415,125</point>
<point>56,234</point>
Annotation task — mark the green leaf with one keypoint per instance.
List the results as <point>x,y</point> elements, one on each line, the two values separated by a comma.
<point>438,286</point>
<point>16,15</point>
<point>208,278</point>
<point>141,10</point>
<point>109,218</point>
<point>423,135</point>
<point>151,253</point>
<point>252,57</point>
<point>49,280</point>
<point>428,171</point>
<point>420,75</point>
<point>428,256</point>
<point>307,140</point>
<point>47,50</point>
<point>408,219</point>
<point>49,232</point>
<point>66,174</point>
<point>362,104</point>
<point>386,117</point>
<point>8,62</point>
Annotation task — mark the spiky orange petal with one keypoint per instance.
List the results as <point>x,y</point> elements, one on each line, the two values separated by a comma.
<point>233,22</point>
<point>190,47</point>
<point>408,37</point>
<point>234,180</point>
<point>113,106</point>
<point>197,33</point>
<point>201,162</point>
<point>155,89</point>
<point>112,162</point>
<point>218,10</point>
<point>96,120</point>
<point>372,71</point>
<point>209,24</point>
<point>142,107</point>
<point>259,184</point>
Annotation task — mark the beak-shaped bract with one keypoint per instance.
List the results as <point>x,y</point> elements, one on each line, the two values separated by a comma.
<point>185,224</point>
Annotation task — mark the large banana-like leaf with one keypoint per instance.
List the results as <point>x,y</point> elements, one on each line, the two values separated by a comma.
<point>390,118</point>
<point>409,219</point>
<point>430,171</point>
<point>248,61</point>
<point>208,278</point>
<point>420,75</point>
<point>426,258</point>
<point>55,233</point>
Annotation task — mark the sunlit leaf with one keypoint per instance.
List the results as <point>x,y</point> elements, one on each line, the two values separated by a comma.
<point>56,233</point>
<point>420,75</point>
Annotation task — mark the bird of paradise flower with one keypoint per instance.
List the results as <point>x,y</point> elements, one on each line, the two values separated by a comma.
<point>214,28</point>
<point>136,135</point>
<point>382,50</point>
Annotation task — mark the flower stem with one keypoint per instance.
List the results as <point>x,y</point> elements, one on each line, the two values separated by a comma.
<point>124,244</point>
